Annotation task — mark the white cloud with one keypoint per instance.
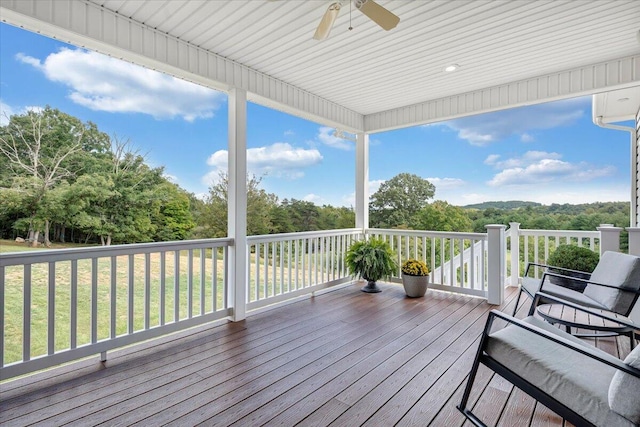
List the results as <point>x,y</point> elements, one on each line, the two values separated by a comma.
<point>491,127</point>
<point>525,137</point>
<point>279,159</point>
<point>528,158</point>
<point>548,170</point>
<point>350,199</point>
<point>5,113</point>
<point>289,132</point>
<point>313,198</point>
<point>446,183</point>
<point>326,136</point>
<point>103,83</point>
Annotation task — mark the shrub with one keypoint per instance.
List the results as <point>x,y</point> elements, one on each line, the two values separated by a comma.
<point>574,258</point>
<point>414,267</point>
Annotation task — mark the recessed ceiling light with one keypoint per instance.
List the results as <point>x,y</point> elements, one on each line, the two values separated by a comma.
<point>451,68</point>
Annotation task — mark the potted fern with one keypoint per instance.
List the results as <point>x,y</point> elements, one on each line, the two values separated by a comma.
<point>371,260</point>
<point>415,278</point>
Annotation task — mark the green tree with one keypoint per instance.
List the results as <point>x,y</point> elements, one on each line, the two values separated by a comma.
<point>212,218</point>
<point>399,199</point>
<point>441,216</point>
<point>40,150</point>
<point>172,217</point>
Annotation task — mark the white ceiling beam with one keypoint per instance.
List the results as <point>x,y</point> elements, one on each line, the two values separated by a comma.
<point>611,75</point>
<point>90,26</point>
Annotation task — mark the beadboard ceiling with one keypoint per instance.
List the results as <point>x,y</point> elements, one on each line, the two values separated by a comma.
<point>369,70</point>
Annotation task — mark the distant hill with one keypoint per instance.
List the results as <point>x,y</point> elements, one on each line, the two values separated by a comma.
<point>510,204</point>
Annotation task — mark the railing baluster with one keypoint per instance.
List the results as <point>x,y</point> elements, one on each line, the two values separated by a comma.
<point>26,316</point>
<point>257,257</point>
<point>190,283</point>
<point>113,278</point>
<point>74,304</point>
<point>289,254</point>
<point>473,280</point>
<point>94,300</point>
<point>176,285</point>
<point>163,284</point>
<point>147,290</point>
<point>214,277</point>
<point>51,310</point>
<point>454,279</point>
<point>462,275</point>
<point>2,311</point>
<point>281,259</point>
<point>266,270</point>
<point>226,276</point>
<point>203,258</point>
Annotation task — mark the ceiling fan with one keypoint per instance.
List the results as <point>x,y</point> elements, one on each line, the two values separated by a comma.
<point>370,8</point>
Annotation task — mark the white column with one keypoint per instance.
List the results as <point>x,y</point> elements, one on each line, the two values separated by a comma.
<point>496,256</point>
<point>634,240</point>
<point>237,202</point>
<point>635,196</point>
<point>362,180</point>
<point>514,232</point>
<point>609,238</point>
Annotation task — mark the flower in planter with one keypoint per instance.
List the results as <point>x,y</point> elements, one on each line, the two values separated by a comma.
<point>414,267</point>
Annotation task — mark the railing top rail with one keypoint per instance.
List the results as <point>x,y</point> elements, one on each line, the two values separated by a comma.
<point>52,255</point>
<point>302,235</point>
<point>559,233</point>
<point>421,233</point>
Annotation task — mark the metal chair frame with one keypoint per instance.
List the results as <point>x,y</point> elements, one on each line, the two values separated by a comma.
<point>541,396</point>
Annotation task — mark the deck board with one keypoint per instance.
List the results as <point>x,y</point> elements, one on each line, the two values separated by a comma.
<point>340,358</point>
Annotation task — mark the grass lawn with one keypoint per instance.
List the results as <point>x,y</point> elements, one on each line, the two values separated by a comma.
<point>129,277</point>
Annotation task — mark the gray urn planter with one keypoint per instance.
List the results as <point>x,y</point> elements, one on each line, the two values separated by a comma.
<point>415,286</point>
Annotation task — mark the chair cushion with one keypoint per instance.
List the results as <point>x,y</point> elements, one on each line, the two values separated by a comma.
<point>533,285</point>
<point>577,381</point>
<point>624,392</point>
<point>616,269</point>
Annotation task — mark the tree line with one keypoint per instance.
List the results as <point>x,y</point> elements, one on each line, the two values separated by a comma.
<point>64,180</point>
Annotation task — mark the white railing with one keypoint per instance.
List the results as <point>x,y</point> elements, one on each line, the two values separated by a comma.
<point>537,245</point>
<point>457,261</point>
<point>62,305</point>
<point>285,266</point>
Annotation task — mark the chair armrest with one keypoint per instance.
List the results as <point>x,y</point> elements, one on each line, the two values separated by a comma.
<point>588,310</point>
<point>547,266</point>
<point>585,281</point>
<point>606,358</point>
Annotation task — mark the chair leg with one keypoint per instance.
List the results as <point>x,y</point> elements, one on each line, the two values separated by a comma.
<point>517,302</point>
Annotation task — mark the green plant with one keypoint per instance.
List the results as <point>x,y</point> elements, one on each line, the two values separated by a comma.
<point>574,258</point>
<point>414,267</point>
<point>371,259</point>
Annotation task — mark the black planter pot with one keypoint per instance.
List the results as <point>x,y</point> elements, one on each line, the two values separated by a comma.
<point>371,288</point>
<point>569,283</point>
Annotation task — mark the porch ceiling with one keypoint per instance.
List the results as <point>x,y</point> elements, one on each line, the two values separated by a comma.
<point>368,71</point>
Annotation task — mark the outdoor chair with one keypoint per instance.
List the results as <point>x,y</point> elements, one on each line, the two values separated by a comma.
<point>581,383</point>
<point>613,287</point>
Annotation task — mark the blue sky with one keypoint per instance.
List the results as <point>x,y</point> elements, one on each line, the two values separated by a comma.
<point>550,153</point>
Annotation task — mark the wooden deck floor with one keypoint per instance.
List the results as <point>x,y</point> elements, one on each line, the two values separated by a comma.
<point>341,358</point>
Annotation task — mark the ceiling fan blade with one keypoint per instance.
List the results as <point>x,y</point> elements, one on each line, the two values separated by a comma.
<point>377,14</point>
<point>326,23</point>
